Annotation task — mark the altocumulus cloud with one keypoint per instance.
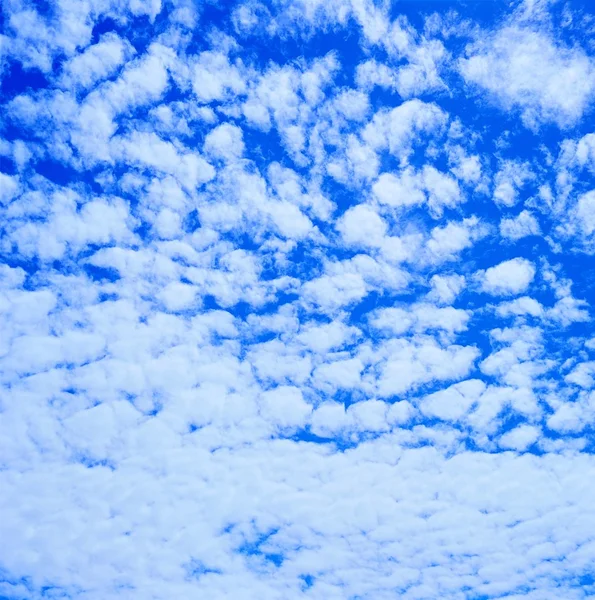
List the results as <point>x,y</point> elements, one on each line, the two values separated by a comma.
<point>295,300</point>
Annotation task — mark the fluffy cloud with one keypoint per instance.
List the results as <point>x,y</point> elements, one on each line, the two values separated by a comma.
<point>509,277</point>
<point>525,68</point>
<point>585,212</point>
<point>225,141</point>
<point>97,62</point>
<point>523,225</point>
<point>362,226</point>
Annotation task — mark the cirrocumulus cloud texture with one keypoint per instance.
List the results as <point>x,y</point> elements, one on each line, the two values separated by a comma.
<point>295,300</point>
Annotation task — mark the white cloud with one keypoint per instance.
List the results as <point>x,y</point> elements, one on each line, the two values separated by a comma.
<point>445,288</point>
<point>520,438</point>
<point>453,402</point>
<point>520,306</point>
<point>585,212</point>
<point>568,417</point>
<point>322,338</point>
<point>342,374</point>
<point>400,129</point>
<point>369,415</point>
<point>284,406</point>
<point>443,191</point>
<point>97,62</point>
<point>509,277</point>
<point>215,77</point>
<point>582,375</point>
<point>372,73</point>
<point>351,280</point>
<point>405,190</point>
<point>189,168</point>
<point>141,82</point>
<point>410,189</point>
<point>447,242</point>
<point>409,364</point>
<point>353,105</point>
<point>420,318</point>
<point>520,226</point>
<point>328,419</point>
<point>466,168</point>
<point>69,229</point>
<point>178,296</point>
<point>9,187</point>
<point>524,68</point>
<point>362,226</point>
<point>225,141</point>
<point>511,178</point>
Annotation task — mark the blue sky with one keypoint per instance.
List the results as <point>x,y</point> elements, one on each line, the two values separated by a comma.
<point>295,300</point>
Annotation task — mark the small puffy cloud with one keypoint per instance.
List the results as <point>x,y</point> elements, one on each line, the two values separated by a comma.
<point>347,281</point>
<point>328,419</point>
<point>322,338</point>
<point>585,213</point>
<point>567,418</point>
<point>277,362</point>
<point>285,407</point>
<point>371,73</point>
<point>402,128</point>
<point>519,307</point>
<point>215,78</point>
<point>400,413</point>
<point>582,375</point>
<point>453,402</point>
<point>445,288</point>
<point>466,168</point>
<point>369,415</point>
<point>352,104</point>
<point>420,318</point>
<point>569,310</point>
<point>362,226</point>
<point>178,296</point>
<point>585,152</point>
<point>150,150</point>
<point>409,188</point>
<point>9,187</point>
<point>443,191</point>
<point>402,190</point>
<point>447,242</point>
<point>97,62</point>
<point>141,82</point>
<point>291,222</point>
<point>342,374</point>
<point>225,142</point>
<point>400,249</point>
<point>526,69</point>
<point>520,226</point>
<point>507,278</point>
<point>330,292</point>
<point>422,74</point>
<point>167,224</point>
<point>511,178</point>
<point>520,438</point>
<point>409,364</point>
<point>70,229</point>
